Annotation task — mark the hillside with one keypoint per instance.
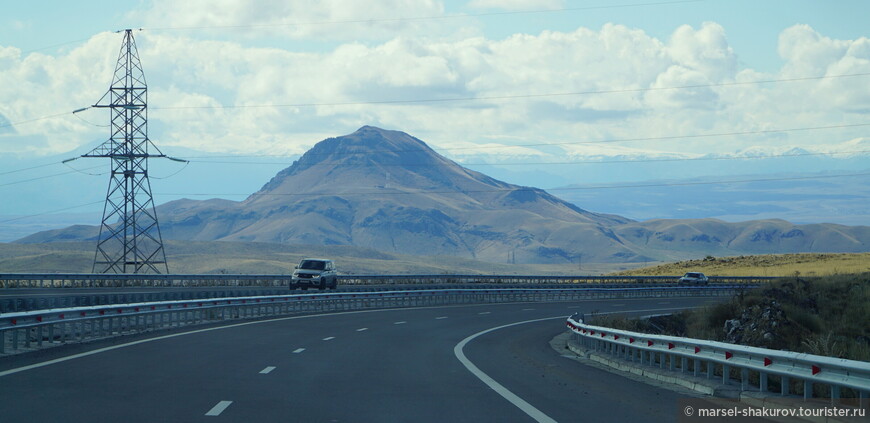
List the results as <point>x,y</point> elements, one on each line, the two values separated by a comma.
<point>806,264</point>
<point>388,191</point>
<point>203,257</point>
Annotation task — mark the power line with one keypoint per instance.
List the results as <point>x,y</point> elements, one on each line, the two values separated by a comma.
<point>462,99</point>
<point>685,159</point>
<point>50,176</point>
<point>50,212</point>
<point>508,97</point>
<point>422,18</point>
<point>591,187</point>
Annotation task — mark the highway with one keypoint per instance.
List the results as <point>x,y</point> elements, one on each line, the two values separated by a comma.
<point>422,364</point>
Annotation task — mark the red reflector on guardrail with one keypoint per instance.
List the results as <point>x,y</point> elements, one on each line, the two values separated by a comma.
<point>61,316</point>
<point>120,311</point>
<point>102,312</point>
<point>39,319</point>
<point>153,307</point>
<point>603,334</point>
<point>13,321</point>
<point>697,350</point>
<point>630,340</point>
<point>767,361</point>
<point>592,332</point>
<point>728,355</point>
<point>615,337</point>
<point>83,314</point>
<point>649,343</point>
<point>816,369</point>
<point>670,346</point>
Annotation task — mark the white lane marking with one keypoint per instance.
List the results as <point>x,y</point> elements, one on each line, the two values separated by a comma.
<point>527,408</point>
<point>441,318</point>
<point>329,338</point>
<point>483,312</point>
<point>400,323</point>
<point>219,408</point>
<point>362,329</point>
<point>528,309</point>
<point>533,412</point>
<point>235,325</point>
<point>267,370</point>
<point>298,350</point>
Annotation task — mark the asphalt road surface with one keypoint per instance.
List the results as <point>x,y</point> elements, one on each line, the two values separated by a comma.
<point>481,363</point>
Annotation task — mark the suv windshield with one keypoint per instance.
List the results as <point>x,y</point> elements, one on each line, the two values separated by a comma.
<point>312,265</point>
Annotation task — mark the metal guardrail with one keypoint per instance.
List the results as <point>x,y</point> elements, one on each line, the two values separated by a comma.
<point>677,353</point>
<point>24,331</point>
<point>90,280</point>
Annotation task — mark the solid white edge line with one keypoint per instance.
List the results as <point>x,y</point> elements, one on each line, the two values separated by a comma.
<point>307,316</point>
<point>219,408</point>
<point>520,403</point>
<point>267,370</point>
<point>527,408</point>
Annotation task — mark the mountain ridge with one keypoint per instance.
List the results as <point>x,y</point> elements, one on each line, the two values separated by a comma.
<point>389,191</point>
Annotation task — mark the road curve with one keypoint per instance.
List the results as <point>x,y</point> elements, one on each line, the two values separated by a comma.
<point>369,366</point>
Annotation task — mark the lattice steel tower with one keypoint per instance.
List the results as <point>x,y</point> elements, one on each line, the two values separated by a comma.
<point>130,240</point>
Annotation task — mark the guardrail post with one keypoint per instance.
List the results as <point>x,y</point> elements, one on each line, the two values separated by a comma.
<point>808,389</point>
<point>762,382</point>
<point>835,394</point>
<point>696,368</point>
<point>710,369</point>
<point>744,379</point>
<point>684,364</point>
<point>726,374</point>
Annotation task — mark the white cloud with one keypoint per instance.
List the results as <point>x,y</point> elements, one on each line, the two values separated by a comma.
<point>225,96</point>
<point>516,4</point>
<point>324,19</point>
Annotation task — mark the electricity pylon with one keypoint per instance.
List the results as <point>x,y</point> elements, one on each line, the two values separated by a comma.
<point>130,240</point>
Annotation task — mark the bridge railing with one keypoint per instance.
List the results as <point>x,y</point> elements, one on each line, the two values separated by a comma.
<point>90,280</point>
<point>697,357</point>
<point>23,331</point>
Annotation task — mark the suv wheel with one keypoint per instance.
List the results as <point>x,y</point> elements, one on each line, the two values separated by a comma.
<point>322,284</point>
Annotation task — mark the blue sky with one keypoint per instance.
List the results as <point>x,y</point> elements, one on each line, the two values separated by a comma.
<point>555,80</point>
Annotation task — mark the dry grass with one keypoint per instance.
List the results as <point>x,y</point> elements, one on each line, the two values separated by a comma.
<point>804,264</point>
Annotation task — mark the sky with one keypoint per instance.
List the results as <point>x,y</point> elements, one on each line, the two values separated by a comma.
<point>481,81</point>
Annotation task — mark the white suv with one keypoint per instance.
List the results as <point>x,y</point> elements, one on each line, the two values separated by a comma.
<point>693,278</point>
<point>314,273</point>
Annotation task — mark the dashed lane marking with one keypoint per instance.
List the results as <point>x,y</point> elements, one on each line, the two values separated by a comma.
<point>362,329</point>
<point>400,323</point>
<point>483,312</point>
<point>267,370</point>
<point>329,338</point>
<point>528,309</point>
<point>441,318</point>
<point>298,350</point>
<point>219,408</point>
